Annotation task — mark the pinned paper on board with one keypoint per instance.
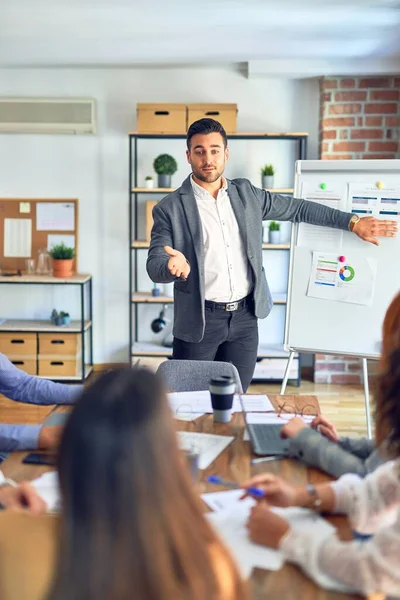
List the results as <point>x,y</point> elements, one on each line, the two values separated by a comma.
<point>352,281</point>
<point>17,238</point>
<point>314,236</point>
<point>370,201</point>
<point>55,216</point>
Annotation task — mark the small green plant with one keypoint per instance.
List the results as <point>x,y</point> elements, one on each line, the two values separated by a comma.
<point>61,252</point>
<point>274,226</point>
<point>64,314</point>
<point>268,170</point>
<point>149,178</point>
<point>165,164</point>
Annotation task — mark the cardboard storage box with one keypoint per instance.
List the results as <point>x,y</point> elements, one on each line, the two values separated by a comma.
<point>29,365</point>
<point>18,343</point>
<point>59,343</point>
<point>161,118</point>
<point>150,204</point>
<point>226,114</point>
<point>59,366</point>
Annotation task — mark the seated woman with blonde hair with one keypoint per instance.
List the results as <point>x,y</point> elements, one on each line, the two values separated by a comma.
<point>131,524</point>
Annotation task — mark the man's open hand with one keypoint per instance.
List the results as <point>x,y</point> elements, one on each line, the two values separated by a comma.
<point>177,264</point>
<point>369,228</point>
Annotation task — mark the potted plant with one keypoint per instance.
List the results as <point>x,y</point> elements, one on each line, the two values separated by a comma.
<point>66,319</point>
<point>149,182</point>
<point>267,174</point>
<point>274,232</point>
<point>63,258</point>
<point>165,165</point>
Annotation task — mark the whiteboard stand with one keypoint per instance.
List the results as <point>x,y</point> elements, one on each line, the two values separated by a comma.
<point>287,371</point>
<point>366,387</point>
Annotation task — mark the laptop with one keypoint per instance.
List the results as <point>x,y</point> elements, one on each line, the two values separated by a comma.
<point>265,438</point>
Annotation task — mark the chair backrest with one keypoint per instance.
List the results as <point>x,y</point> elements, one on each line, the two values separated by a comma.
<point>195,375</point>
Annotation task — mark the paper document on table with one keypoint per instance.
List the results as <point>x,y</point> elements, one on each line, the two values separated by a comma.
<point>199,403</point>
<point>207,445</point>
<point>17,238</point>
<point>55,216</point>
<point>187,416</point>
<point>231,526</point>
<point>315,236</point>
<point>48,488</point>
<point>223,500</point>
<point>350,281</point>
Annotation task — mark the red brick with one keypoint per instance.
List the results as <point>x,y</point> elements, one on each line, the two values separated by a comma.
<point>379,156</point>
<point>344,134</point>
<point>360,121</point>
<point>321,356</point>
<point>325,147</point>
<point>374,121</point>
<point>330,366</point>
<point>355,96</point>
<point>383,146</point>
<point>338,122</point>
<point>347,83</point>
<point>321,377</point>
<point>326,97</point>
<point>366,134</point>
<point>397,82</point>
<point>381,108</point>
<point>328,134</point>
<point>329,84</point>
<point>392,121</point>
<point>384,95</point>
<point>349,147</point>
<point>344,109</point>
<point>337,156</point>
<point>344,378</point>
<point>355,367</point>
<point>374,82</point>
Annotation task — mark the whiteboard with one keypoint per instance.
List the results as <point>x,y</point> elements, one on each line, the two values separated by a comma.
<point>323,325</point>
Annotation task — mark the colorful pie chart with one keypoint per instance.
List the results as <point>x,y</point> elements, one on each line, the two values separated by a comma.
<point>346,273</point>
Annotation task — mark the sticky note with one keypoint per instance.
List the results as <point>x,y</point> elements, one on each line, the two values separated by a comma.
<point>24,207</point>
<point>323,186</point>
<point>379,185</point>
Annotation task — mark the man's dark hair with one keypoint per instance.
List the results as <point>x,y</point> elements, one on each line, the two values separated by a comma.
<point>205,126</point>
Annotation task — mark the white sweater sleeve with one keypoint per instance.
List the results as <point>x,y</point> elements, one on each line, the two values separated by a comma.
<point>369,566</point>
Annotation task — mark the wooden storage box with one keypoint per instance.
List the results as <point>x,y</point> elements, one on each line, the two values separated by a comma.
<point>150,204</point>
<point>161,118</point>
<point>59,344</point>
<point>29,365</point>
<point>59,366</point>
<point>226,114</point>
<point>23,344</point>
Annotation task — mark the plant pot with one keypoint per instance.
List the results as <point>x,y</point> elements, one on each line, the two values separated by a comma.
<point>59,321</point>
<point>274,237</point>
<point>164,181</point>
<point>149,184</point>
<point>268,182</point>
<point>66,320</point>
<point>62,268</point>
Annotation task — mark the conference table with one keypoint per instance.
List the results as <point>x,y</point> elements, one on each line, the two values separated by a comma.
<point>234,464</point>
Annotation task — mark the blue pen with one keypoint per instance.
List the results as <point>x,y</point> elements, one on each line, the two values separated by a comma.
<point>257,493</point>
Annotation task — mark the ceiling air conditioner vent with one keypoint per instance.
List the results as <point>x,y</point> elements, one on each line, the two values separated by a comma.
<point>47,115</point>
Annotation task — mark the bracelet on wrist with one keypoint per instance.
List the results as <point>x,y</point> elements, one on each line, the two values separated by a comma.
<point>313,494</point>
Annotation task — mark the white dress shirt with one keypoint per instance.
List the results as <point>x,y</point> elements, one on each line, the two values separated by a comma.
<point>226,267</point>
<point>372,566</point>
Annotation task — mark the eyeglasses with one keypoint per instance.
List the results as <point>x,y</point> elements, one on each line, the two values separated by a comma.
<point>288,411</point>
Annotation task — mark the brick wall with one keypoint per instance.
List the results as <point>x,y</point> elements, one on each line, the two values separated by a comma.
<point>359,119</point>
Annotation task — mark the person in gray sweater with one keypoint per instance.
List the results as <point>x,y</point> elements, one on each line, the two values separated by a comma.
<point>320,446</point>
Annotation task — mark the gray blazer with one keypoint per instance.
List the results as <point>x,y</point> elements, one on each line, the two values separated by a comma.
<point>177,224</point>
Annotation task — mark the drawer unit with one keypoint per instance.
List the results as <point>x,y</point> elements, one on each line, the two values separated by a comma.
<point>59,343</point>
<point>59,367</point>
<point>23,344</point>
<point>29,365</point>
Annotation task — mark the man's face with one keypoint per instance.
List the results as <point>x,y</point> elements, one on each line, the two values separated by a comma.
<point>207,156</point>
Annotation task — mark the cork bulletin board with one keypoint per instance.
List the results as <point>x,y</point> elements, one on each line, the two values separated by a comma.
<point>28,225</point>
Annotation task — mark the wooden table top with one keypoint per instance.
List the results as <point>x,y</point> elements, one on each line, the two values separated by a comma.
<point>289,583</point>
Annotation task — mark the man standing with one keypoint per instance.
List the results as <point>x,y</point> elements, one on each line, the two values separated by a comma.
<point>207,238</point>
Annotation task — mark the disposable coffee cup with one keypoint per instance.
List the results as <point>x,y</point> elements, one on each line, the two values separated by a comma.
<point>222,390</point>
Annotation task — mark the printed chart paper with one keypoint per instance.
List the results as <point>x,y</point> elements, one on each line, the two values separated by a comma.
<point>370,201</point>
<point>314,236</point>
<point>55,216</point>
<point>351,281</point>
<point>17,238</point>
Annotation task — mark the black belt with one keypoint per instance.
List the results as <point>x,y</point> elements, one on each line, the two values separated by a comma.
<point>229,306</point>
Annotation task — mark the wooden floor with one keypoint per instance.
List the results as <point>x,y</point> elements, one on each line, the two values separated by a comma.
<point>342,404</point>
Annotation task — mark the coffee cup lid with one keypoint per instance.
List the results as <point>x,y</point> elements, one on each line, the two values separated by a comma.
<point>222,380</point>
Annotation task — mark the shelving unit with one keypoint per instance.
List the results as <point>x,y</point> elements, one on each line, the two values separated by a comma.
<point>273,353</point>
<point>80,327</point>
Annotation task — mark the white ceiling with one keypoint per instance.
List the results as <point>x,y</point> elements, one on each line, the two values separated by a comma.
<point>274,37</point>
